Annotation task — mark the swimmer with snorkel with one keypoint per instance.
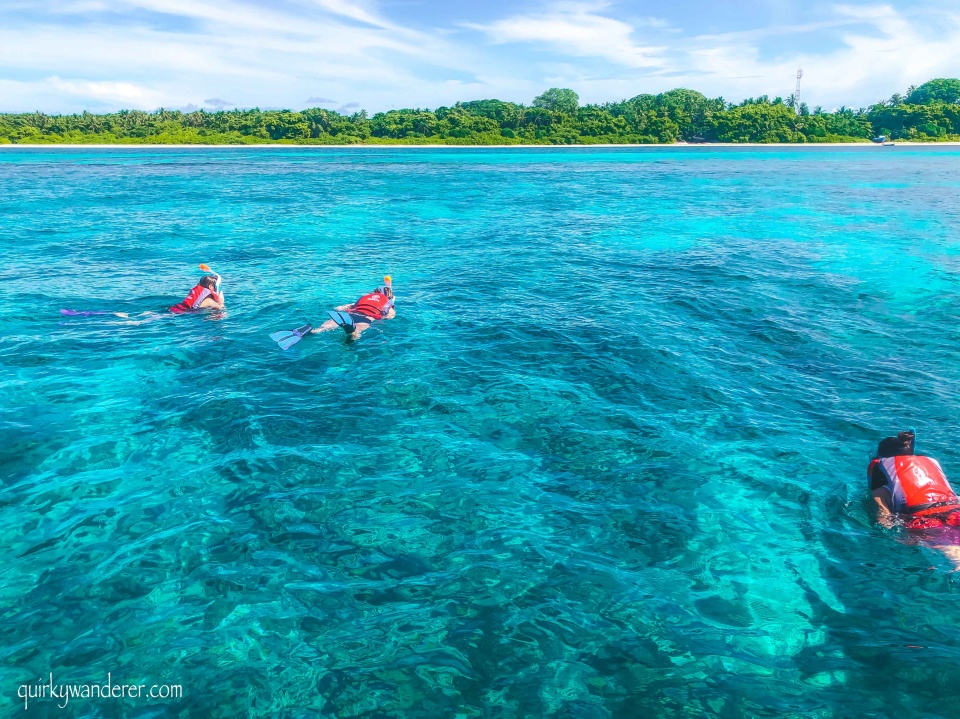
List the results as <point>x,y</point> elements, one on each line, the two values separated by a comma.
<point>353,319</point>
<point>911,490</point>
<point>206,295</point>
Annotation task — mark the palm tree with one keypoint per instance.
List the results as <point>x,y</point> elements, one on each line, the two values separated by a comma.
<point>40,121</point>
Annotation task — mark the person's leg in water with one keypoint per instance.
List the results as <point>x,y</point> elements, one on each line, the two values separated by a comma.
<point>953,554</point>
<point>942,534</point>
<point>331,324</point>
<point>355,324</point>
<point>949,539</point>
<point>358,328</point>
<point>148,316</point>
<point>325,327</point>
<point>950,551</point>
<point>352,325</point>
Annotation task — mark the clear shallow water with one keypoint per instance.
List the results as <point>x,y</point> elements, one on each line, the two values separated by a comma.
<point>607,461</point>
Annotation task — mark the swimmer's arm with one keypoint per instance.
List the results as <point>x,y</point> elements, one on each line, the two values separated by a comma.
<point>882,499</point>
<point>211,304</point>
<point>391,314</point>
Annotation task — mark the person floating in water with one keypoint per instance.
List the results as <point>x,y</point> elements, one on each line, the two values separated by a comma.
<point>912,490</point>
<point>355,318</point>
<point>205,296</point>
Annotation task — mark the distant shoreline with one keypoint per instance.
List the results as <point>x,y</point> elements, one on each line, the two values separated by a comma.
<point>675,145</point>
<point>928,113</point>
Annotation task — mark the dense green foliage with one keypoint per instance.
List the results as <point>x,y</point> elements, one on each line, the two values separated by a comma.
<point>939,90</point>
<point>558,99</point>
<point>929,112</point>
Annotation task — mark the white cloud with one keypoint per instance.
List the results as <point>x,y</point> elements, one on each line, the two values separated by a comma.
<point>76,94</point>
<point>258,55</point>
<point>578,29</point>
<point>881,51</point>
<point>878,50</point>
<point>69,57</point>
<point>124,93</point>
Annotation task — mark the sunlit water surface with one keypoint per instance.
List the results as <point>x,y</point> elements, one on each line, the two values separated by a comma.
<point>608,461</point>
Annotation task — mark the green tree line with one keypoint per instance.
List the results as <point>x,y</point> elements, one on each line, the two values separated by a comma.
<point>930,112</point>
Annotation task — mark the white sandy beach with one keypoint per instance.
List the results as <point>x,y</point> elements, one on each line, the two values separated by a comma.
<point>702,145</point>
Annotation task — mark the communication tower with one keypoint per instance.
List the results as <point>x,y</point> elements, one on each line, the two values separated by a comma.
<point>796,95</point>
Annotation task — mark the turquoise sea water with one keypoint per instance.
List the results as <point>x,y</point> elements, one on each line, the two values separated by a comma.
<point>608,461</point>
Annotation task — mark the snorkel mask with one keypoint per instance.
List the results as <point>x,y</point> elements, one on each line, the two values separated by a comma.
<point>204,267</point>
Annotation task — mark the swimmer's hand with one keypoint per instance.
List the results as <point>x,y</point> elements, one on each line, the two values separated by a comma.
<point>887,521</point>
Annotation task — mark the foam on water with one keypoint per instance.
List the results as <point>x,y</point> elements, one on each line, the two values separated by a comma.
<point>607,461</point>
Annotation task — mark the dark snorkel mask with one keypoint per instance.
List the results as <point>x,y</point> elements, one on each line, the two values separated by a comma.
<point>907,440</point>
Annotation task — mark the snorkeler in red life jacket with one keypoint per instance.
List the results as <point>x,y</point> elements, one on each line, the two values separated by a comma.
<point>202,297</point>
<point>205,296</point>
<point>355,318</point>
<point>911,485</point>
<point>375,305</point>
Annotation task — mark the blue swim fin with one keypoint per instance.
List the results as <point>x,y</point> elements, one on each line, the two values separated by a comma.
<point>344,320</point>
<point>288,338</point>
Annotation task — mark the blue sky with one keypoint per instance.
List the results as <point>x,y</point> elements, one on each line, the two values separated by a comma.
<point>100,55</point>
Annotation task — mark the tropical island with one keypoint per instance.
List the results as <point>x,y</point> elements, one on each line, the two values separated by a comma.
<point>927,113</point>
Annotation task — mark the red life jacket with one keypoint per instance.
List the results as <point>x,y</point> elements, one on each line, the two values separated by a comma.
<point>917,485</point>
<point>193,301</point>
<point>376,306</point>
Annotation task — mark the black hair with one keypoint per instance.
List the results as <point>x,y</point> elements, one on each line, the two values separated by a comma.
<point>897,446</point>
<point>209,281</point>
<point>888,447</point>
